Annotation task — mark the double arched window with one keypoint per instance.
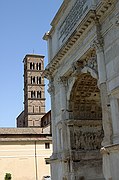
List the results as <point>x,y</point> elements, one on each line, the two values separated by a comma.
<point>35,80</point>
<point>38,94</point>
<point>35,66</point>
<point>35,94</point>
<point>32,65</point>
<point>38,66</point>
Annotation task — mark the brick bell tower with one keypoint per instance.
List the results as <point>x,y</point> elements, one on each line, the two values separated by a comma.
<point>34,90</point>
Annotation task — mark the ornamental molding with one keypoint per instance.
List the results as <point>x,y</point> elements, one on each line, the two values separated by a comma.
<point>117,20</point>
<point>86,65</point>
<point>98,44</point>
<point>109,149</point>
<point>76,68</point>
<point>91,62</point>
<point>91,16</point>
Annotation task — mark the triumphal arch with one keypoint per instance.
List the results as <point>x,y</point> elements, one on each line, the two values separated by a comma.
<point>83,73</point>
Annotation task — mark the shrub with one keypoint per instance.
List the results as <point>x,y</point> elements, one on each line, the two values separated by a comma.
<point>8,176</point>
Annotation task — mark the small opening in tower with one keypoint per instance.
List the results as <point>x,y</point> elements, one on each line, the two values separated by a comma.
<point>38,94</point>
<point>34,79</point>
<point>39,66</point>
<point>33,109</point>
<point>39,109</point>
<point>33,94</point>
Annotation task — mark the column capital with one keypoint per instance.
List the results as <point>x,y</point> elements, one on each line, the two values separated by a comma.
<point>51,88</point>
<point>62,80</point>
<point>98,44</point>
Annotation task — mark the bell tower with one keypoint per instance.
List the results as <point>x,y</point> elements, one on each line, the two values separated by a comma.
<point>34,90</point>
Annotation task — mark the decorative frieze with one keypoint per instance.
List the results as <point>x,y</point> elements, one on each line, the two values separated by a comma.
<point>88,140</point>
<point>85,135</point>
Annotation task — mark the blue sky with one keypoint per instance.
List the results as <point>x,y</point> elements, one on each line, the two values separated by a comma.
<point>22,26</point>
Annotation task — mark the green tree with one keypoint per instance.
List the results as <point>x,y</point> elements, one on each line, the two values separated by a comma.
<point>8,176</point>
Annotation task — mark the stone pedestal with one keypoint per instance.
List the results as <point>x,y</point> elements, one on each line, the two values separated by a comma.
<point>111,162</point>
<point>115,116</point>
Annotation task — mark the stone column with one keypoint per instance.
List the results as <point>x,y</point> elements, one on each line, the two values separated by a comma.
<point>63,97</point>
<point>64,127</point>
<point>51,91</point>
<point>106,164</point>
<point>106,116</point>
<point>63,109</point>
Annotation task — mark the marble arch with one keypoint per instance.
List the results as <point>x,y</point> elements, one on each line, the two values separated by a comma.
<point>81,27</point>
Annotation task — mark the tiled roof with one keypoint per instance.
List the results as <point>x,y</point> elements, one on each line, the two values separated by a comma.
<point>19,131</point>
<point>23,134</point>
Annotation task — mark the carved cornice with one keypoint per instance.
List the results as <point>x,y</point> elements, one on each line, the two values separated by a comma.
<point>83,122</point>
<point>109,149</point>
<point>104,7</point>
<point>78,32</point>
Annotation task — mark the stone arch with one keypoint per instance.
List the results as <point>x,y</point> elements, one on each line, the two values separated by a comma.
<point>85,125</point>
<point>85,101</point>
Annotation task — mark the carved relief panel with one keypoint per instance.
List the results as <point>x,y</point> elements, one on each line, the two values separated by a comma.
<point>86,132</point>
<point>87,137</point>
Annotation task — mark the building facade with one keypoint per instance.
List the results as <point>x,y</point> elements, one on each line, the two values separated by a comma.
<point>46,123</point>
<point>83,73</point>
<point>24,153</point>
<point>34,92</point>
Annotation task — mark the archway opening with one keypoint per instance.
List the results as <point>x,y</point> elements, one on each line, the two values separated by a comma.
<point>85,127</point>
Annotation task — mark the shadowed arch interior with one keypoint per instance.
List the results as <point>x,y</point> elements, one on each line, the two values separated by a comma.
<point>85,98</point>
<point>85,115</point>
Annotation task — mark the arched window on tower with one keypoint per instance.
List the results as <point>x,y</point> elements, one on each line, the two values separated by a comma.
<point>38,80</point>
<point>33,80</point>
<point>39,109</point>
<point>33,109</point>
<point>39,66</point>
<point>38,94</point>
<point>33,94</point>
<point>32,66</point>
<point>33,123</point>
